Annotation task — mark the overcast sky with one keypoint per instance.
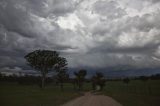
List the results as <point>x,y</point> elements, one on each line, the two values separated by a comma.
<point>89,33</point>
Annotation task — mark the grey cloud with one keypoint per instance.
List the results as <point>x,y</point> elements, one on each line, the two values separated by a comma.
<point>109,9</point>
<point>147,49</point>
<point>16,20</point>
<point>16,16</point>
<point>154,1</point>
<point>46,7</point>
<point>21,31</point>
<point>101,60</point>
<point>17,71</point>
<point>144,23</point>
<point>29,25</point>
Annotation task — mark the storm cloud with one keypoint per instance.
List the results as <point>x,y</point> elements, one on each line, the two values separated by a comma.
<point>89,33</point>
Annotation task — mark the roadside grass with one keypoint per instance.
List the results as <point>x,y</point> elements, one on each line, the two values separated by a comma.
<point>32,95</point>
<point>136,93</point>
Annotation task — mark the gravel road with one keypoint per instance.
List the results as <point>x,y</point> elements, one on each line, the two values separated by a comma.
<point>90,99</point>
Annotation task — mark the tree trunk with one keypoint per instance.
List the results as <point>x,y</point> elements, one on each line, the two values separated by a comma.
<point>74,86</point>
<point>43,81</point>
<point>61,86</point>
<point>79,85</point>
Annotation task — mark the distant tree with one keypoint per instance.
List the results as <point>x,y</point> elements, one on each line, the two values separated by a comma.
<point>1,76</point>
<point>80,77</point>
<point>126,80</point>
<point>98,80</point>
<point>74,82</point>
<point>155,77</point>
<point>43,61</point>
<point>62,76</point>
<point>144,78</point>
<point>61,69</point>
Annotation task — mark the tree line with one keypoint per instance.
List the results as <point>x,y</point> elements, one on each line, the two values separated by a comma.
<point>46,61</point>
<point>58,80</point>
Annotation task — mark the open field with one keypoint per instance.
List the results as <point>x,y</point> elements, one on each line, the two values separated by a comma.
<point>136,93</point>
<point>28,95</point>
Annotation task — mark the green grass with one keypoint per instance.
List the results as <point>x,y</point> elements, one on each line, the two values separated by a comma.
<point>32,95</point>
<point>136,93</point>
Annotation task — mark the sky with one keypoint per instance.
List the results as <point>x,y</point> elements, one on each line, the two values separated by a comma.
<point>93,34</point>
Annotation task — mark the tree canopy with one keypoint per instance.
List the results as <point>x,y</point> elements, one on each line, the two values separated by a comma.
<point>80,77</point>
<point>45,61</point>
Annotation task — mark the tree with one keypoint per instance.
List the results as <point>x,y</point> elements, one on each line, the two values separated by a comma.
<point>43,61</point>
<point>126,80</point>
<point>62,76</point>
<point>1,76</point>
<point>98,80</point>
<point>144,78</point>
<point>61,68</point>
<point>80,77</point>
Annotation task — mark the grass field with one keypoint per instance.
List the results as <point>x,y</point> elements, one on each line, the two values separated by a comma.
<point>136,93</point>
<point>28,95</point>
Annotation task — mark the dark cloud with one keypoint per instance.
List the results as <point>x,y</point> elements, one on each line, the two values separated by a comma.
<point>109,9</point>
<point>92,33</point>
<point>155,1</point>
<point>45,8</point>
<point>14,19</point>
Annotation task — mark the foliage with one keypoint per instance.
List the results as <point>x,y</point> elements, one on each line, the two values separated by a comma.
<point>80,77</point>
<point>45,61</point>
<point>61,69</point>
<point>42,60</point>
<point>126,80</point>
<point>98,80</point>
<point>143,78</point>
<point>62,76</point>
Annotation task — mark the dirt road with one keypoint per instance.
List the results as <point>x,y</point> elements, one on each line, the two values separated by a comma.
<point>90,99</point>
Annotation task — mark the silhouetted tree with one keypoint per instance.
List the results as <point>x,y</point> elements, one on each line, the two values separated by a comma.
<point>126,80</point>
<point>62,76</point>
<point>43,61</point>
<point>80,77</point>
<point>144,78</point>
<point>1,76</point>
<point>61,69</point>
<point>155,77</point>
<point>98,80</point>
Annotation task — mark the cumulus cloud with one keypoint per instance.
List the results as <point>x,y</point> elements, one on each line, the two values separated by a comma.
<point>89,33</point>
<point>109,9</point>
